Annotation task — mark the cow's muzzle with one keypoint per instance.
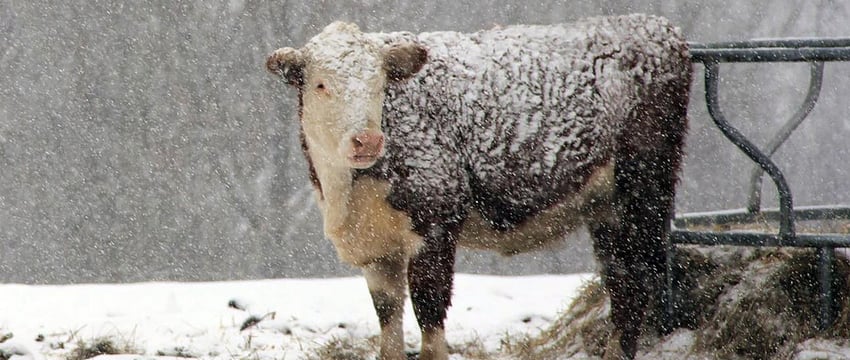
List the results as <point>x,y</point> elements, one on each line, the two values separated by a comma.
<point>366,148</point>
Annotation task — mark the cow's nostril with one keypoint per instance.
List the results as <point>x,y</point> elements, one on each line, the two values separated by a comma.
<point>368,143</point>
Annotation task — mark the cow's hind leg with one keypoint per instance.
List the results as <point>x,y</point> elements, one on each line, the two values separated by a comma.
<point>431,273</point>
<point>644,192</point>
<point>387,279</point>
<point>633,248</point>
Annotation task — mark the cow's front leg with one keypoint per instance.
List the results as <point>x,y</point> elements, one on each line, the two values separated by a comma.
<point>386,279</point>
<point>431,273</point>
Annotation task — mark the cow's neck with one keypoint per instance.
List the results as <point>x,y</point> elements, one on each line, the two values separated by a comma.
<point>335,194</point>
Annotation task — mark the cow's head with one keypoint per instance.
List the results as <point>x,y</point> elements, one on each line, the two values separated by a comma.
<point>342,74</point>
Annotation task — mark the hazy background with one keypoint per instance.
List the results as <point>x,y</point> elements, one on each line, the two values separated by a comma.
<point>143,140</point>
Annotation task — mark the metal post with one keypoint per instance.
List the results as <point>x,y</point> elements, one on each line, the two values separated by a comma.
<point>667,309</point>
<point>826,258</point>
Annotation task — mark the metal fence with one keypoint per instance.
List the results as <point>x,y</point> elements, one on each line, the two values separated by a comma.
<point>815,51</point>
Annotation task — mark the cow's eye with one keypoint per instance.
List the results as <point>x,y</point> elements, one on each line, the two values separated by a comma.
<point>322,89</point>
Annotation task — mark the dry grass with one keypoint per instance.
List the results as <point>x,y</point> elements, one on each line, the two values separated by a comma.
<point>3,354</point>
<point>473,349</point>
<point>739,303</point>
<point>100,346</point>
<point>362,349</point>
<point>347,349</point>
<point>583,320</point>
<point>779,310</point>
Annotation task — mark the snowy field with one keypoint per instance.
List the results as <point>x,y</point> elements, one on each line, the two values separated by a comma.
<point>161,320</point>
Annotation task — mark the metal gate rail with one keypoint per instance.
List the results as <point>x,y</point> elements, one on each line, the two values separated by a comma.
<point>814,51</point>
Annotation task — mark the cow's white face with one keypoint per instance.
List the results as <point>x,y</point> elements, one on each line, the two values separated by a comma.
<point>342,74</point>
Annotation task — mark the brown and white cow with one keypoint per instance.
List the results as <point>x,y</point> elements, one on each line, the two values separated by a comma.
<point>504,139</point>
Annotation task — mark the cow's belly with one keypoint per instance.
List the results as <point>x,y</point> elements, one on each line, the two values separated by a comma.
<point>547,226</point>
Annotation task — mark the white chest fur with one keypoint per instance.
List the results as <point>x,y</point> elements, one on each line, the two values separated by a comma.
<point>363,226</point>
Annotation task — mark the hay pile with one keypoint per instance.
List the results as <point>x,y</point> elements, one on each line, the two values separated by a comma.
<point>732,303</point>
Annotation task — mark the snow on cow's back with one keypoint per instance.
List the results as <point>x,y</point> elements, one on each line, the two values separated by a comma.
<point>542,101</point>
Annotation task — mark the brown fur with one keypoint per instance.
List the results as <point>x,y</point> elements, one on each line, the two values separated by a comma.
<point>289,65</point>
<point>401,61</point>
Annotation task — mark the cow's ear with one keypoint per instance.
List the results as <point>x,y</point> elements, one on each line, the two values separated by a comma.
<point>288,63</point>
<point>402,61</point>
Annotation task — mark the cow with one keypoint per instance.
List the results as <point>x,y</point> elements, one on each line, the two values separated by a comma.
<point>504,139</point>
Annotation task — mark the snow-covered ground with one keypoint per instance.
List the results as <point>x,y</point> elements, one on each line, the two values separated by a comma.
<point>299,315</point>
